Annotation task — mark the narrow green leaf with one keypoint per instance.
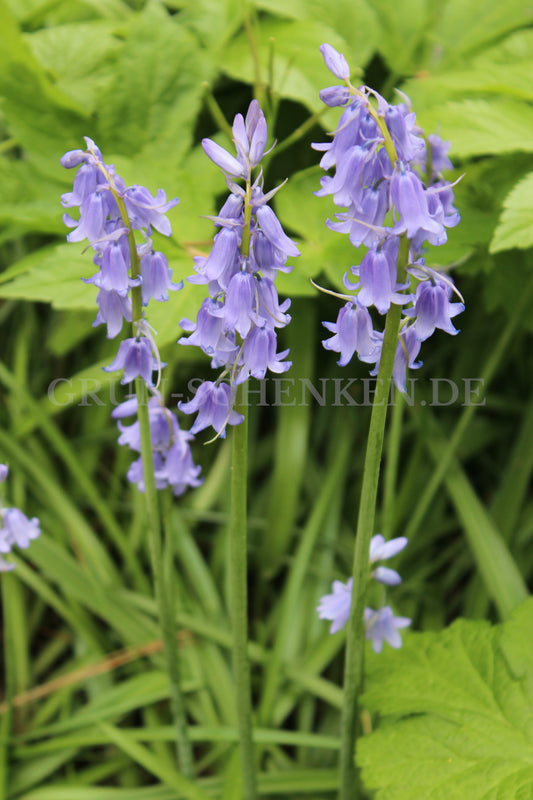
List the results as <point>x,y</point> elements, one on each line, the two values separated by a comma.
<point>36,771</point>
<point>502,578</point>
<point>153,764</point>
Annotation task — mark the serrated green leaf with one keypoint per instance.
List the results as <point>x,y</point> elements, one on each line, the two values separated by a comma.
<point>152,102</point>
<point>515,228</point>
<point>29,202</point>
<point>75,57</point>
<point>37,113</point>
<point>456,722</point>
<point>34,14</point>
<point>214,21</point>
<point>54,275</point>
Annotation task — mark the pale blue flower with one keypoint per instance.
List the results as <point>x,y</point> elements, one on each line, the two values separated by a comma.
<point>382,626</point>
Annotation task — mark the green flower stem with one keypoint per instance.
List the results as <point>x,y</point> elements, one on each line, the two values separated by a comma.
<point>155,532</point>
<point>239,594</point>
<point>166,612</point>
<point>238,577</point>
<point>355,634</point>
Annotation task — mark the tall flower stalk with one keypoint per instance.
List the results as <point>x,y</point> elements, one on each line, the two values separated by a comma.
<point>236,326</point>
<point>388,176</point>
<point>130,273</point>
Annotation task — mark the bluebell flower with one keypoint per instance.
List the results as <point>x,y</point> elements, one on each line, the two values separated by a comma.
<point>214,405</point>
<point>236,325</point>
<point>249,137</point>
<point>16,529</point>
<point>145,211</point>
<point>410,200</point>
<point>113,309</point>
<point>432,309</point>
<point>209,332</point>
<point>382,626</point>
<point>171,453</point>
<point>335,62</point>
<point>380,550</point>
<point>388,179</point>
<point>109,213</point>
<point>259,354</point>
<point>336,606</point>
<point>378,285</point>
<point>407,350</point>
<point>353,332</point>
<point>335,95</point>
<point>95,192</point>
<point>156,277</point>
<point>136,359</point>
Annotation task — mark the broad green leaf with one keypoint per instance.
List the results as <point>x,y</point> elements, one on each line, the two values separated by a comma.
<point>466,27</point>
<point>322,250</point>
<point>29,201</point>
<point>152,102</point>
<point>214,21</point>
<point>515,228</point>
<point>496,72</point>
<point>36,13</point>
<point>353,20</point>
<point>40,116</point>
<point>481,127</point>
<point>75,57</point>
<point>54,275</point>
<point>456,714</point>
<point>401,30</point>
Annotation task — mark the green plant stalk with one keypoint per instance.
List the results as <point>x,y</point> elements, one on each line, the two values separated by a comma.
<point>155,533</point>
<point>355,633</point>
<point>7,721</point>
<point>239,595</point>
<point>238,568</point>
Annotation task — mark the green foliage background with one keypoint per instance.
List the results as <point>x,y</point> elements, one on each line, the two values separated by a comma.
<point>146,81</point>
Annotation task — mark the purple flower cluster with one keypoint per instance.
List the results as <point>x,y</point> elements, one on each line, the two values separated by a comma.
<point>173,464</point>
<point>380,625</point>
<point>109,214</point>
<point>16,529</point>
<point>236,324</point>
<point>388,177</point>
